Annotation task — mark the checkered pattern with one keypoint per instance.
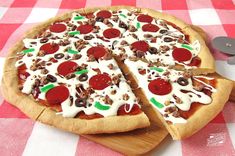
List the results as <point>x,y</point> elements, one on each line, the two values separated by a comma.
<point>21,136</point>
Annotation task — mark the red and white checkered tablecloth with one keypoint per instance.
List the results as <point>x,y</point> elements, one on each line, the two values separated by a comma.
<point>19,135</point>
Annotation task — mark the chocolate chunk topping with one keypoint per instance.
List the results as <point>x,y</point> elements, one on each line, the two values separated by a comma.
<point>70,76</point>
<point>113,92</point>
<point>76,56</point>
<point>107,100</point>
<point>132,28</point>
<point>164,48</point>
<point>110,66</point>
<point>41,53</point>
<point>125,97</point>
<point>139,53</point>
<point>44,71</point>
<point>123,42</point>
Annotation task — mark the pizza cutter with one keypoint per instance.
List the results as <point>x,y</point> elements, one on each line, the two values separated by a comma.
<point>225,45</point>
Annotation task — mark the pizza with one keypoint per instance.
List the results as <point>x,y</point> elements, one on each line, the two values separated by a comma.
<point>76,72</point>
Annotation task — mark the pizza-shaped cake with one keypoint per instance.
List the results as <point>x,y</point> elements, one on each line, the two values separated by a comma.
<point>81,72</point>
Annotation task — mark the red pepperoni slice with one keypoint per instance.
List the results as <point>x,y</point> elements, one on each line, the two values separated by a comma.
<point>66,68</point>
<point>160,87</point>
<point>97,52</point>
<point>50,48</point>
<point>140,45</point>
<point>57,95</point>
<point>181,54</point>
<point>144,18</point>
<point>111,33</point>
<point>150,28</point>
<point>100,81</point>
<point>57,28</point>
<point>104,14</point>
<point>85,29</point>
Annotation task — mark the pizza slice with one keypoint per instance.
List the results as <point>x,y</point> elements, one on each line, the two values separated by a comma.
<point>78,90</point>
<point>184,103</point>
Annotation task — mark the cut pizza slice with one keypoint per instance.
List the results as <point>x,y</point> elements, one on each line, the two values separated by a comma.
<point>184,103</point>
<point>79,91</point>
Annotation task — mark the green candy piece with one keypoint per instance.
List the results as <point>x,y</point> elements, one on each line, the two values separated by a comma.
<point>156,103</point>
<point>81,72</point>
<point>123,15</point>
<point>101,107</point>
<point>137,25</point>
<point>74,32</point>
<point>72,51</point>
<point>47,87</point>
<point>78,17</point>
<point>157,69</point>
<point>186,46</point>
<point>28,50</point>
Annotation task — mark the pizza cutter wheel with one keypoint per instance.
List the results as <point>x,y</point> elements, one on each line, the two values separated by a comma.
<point>225,45</point>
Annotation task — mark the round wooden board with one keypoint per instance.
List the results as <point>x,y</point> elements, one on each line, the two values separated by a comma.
<point>141,141</point>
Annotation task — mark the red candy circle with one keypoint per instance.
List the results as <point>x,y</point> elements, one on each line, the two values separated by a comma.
<point>150,28</point>
<point>97,52</point>
<point>140,45</point>
<point>111,33</point>
<point>85,29</point>
<point>49,48</point>
<point>144,18</point>
<point>160,87</point>
<point>57,28</point>
<point>100,81</point>
<point>181,54</point>
<point>57,95</point>
<point>104,14</point>
<point>66,68</point>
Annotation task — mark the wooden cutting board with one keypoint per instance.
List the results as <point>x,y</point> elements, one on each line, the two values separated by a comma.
<point>139,142</point>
